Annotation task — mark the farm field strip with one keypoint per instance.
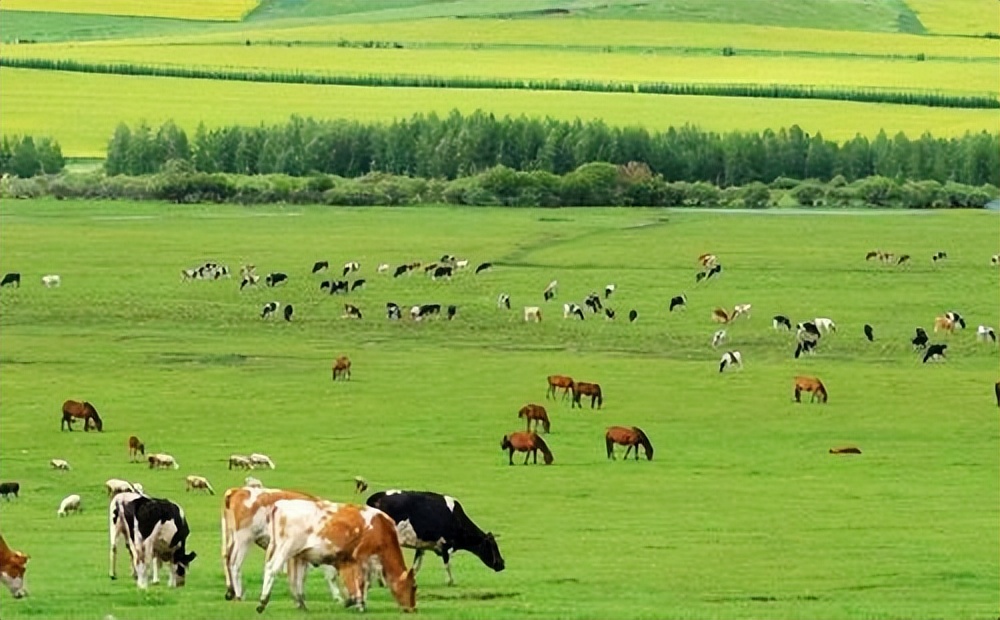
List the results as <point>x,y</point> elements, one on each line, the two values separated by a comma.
<point>965,17</point>
<point>207,10</point>
<point>951,77</point>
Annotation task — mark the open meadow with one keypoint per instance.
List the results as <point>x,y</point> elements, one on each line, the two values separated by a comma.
<point>742,512</point>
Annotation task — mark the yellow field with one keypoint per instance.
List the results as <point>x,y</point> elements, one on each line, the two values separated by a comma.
<point>974,17</point>
<point>949,76</point>
<point>81,110</point>
<point>207,10</point>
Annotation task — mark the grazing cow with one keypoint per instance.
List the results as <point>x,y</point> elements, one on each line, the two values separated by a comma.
<point>269,309</point>
<point>350,266</point>
<point>550,290</point>
<point>400,270</point>
<point>985,332</point>
<point>70,503</point>
<point>12,567</point>
<point>869,333</point>
<point>632,437</point>
<point>503,301</point>
<point>11,278</point>
<point>532,313</point>
<point>780,321</point>
<point>426,310</point>
<point>155,531</point>
<point>718,338</point>
<point>938,256</point>
<point>934,352</point>
<point>430,268</point>
<point>483,267</point>
<point>288,312</point>
<point>431,521</point>
<point>846,450</point>
<point>942,323</point>
<point>707,275</point>
<point>609,313</point>
<point>807,331</point>
<point>342,368</point>
<point>249,280</point>
<point>571,309</point>
<point>873,254</point>
<point>441,272</point>
<point>59,464</point>
<point>535,413</point>
<point>632,316</point>
<point>707,260</point>
<point>720,316</point>
<point>593,301</point>
<point>812,385</point>
<point>321,265</point>
<point>902,259</point>
<point>529,443</point>
<point>9,488</point>
<point>351,312</point>
<point>740,310</point>
<point>608,290</point>
<point>678,301</point>
<point>337,286</point>
<point>955,318</point>
<point>392,312</point>
<point>382,268</point>
<point>135,448</point>
<point>273,279</point>
<point>997,390</point>
<point>198,482</point>
<point>731,358</point>
<point>452,310</point>
<point>240,462</point>
<point>994,260</point>
<point>920,339</point>
<point>805,346</point>
<point>252,483</point>
<point>559,382</point>
<point>415,313</point>
<point>593,390</point>
<point>314,531</point>
<point>360,484</point>
<point>162,461</point>
<point>51,280</point>
<point>114,486</point>
<point>825,325</point>
<point>357,284</point>
<point>261,459</point>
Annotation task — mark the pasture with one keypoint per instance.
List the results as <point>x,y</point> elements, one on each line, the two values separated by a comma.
<point>741,514</point>
<point>201,10</point>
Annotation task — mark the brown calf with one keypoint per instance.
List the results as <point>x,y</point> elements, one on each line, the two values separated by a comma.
<point>342,368</point>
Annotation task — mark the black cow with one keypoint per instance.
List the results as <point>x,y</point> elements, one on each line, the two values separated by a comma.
<point>357,284</point>
<point>934,351</point>
<point>11,278</point>
<point>428,309</point>
<point>269,308</point>
<point>678,300</point>
<point>431,521</point>
<point>484,267</point>
<point>632,316</point>
<point>869,333</point>
<point>9,488</point>
<point>273,279</point>
<point>593,301</point>
<point>920,339</point>
<point>805,346</point>
<point>288,312</point>
<point>156,530</point>
<point>393,312</point>
<point>442,272</point>
<point>338,285</point>
<point>608,312</point>
<point>321,265</point>
<point>401,270</point>
<point>781,320</point>
<point>451,312</point>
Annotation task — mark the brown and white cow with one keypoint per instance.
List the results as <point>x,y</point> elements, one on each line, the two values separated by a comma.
<point>349,537</point>
<point>12,567</point>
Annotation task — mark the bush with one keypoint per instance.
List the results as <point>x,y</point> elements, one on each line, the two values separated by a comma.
<point>808,193</point>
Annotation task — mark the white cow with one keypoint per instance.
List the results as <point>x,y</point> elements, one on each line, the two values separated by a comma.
<point>51,280</point>
<point>718,338</point>
<point>825,325</point>
<point>731,358</point>
<point>533,313</point>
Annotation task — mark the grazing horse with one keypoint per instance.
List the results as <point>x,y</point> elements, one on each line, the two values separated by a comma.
<point>633,437</point>
<point>73,409</point>
<point>342,368</point>
<point>135,448</point>
<point>559,381</point>
<point>536,413</point>
<point>528,442</point>
<point>812,385</point>
<point>592,390</point>
<point>997,387</point>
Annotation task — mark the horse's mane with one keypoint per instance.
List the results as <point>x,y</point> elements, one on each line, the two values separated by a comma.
<point>541,445</point>
<point>644,441</point>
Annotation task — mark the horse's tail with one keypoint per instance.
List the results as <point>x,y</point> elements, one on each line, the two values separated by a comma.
<point>600,396</point>
<point>644,440</point>
<point>609,443</point>
<point>540,444</point>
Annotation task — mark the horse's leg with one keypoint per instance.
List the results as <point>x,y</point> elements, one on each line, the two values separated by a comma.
<point>527,455</point>
<point>510,456</point>
<point>798,394</point>
<point>627,450</point>
<point>636,446</point>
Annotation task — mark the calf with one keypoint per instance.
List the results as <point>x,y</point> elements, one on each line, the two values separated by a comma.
<point>269,309</point>
<point>503,301</point>
<point>11,278</point>
<point>731,358</point>
<point>12,568</point>
<point>288,312</point>
<point>350,266</point>
<point>198,482</point>
<point>261,459</point>
<point>70,503</point>
<point>9,488</point>
<point>632,316</point>
<point>678,301</point>
<point>162,461</point>
<point>483,267</point>
<point>935,352</point>
<point>342,368</point>
<point>984,333</point>
<point>155,531</point>
<point>532,313</point>
<point>780,321</point>
<point>51,280</point>
<point>273,279</point>
<point>351,312</point>
<point>392,312</point>
<point>427,310</point>
<point>431,521</point>
<point>718,338</point>
<point>572,309</point>
<point>321,265</point>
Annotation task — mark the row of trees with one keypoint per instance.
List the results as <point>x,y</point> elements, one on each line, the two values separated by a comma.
<point>456,145</point>
<point>24,156</point>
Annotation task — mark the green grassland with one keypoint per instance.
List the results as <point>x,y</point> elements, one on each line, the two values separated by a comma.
<point>741,514</point>
<point>199,10</point>
<point>967,17</point>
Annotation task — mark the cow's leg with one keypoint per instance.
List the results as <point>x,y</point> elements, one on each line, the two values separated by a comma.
<point>446,556</point>
<point>156,570</point>
<point>275,560</point>
<point>139,564</point>
<point>237,553</point>
<point>331,574</point>
<point>418,560</point>
<point>296,581</point>
<point>113,553</point>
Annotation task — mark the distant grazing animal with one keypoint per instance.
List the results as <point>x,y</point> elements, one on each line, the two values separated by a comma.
<point>461,264</point>
<point>135,448</point>
<point>273,279</point>
<point>608,290</point>
<point>252,483</point>
<point>718,338</point>
<point>920,339</point>
<point>401,270</point>
<point>741,310</point>
<point>249,280</point>
<point>59,464</point>
<point>240,462</point>
<point>780,321</point>
<point>114,486</point>
<point>559,382</point>
<point>706,275</point>
<point>633,437</point>
<point>592,390</point>
<point>12,568</point>
<point>812,385</point>
<point>807,331</point>
<point>357,284</point>
<point>261,459</point>
<point>51,280</point>
<point>956,318</point>
<point>351,312</point>
<point>392,312</point>
<point>572,309</point>
<point>70,503</point>
<point>483,267</point>
<point>382,268</point>
<point>825,325</point>
<point>342,368</point>
<point>869,333</point>
<point>452,310</point>
<point>198,482</point>
<point>321,266</point>
<point>503,301</point>
<point>846,450</point>
<point>731,358</point>
<point>428,521</point>
<point>447,258</point>
<point>985,332</point>
<point>678,301</point>
<point>805,346</point>
<point>707,260</point>
<point>533,313</point>
<point>997,390</point>
<point>162,461</point>
<point>288,312</point>
<point>873,254</point>
<point>527,442</point>
<point>994,260</point>
<point>155,531</point>
<point>632,316</point>
<point>11,278</point>
<point>426,310</point>
<point>269,309</point>
<point>9,488</point>
<point>720,316</point>
<point>938,256</point>
<point>593,301</point>
<point>550,290</point>
<point>71,410</point>
<point>935,352</point>
<point>430,268</point>
<point>609,313</point>
<point>887,257</point>
<point>944,324</point>
<point>442,272</point>
<point>902,259</point>
<point>360,484</point>
<point>535,413</point>
<point>350,266</point>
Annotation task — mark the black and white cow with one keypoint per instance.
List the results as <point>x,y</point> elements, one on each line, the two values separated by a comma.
<point>572,309</point>
<point>11,278</point>
<point>869,332</point>
<point>593,301</point>
<point>956,318</point>
<point>321,265</point>
<point>608,290</point>
<point>550,290</point>
<point>426,310</point>
<point>269,308</point>
<point>609,313</point>
<point>351,266</point>
<point>288,312</point>
<point>442,272</point>
<point>705,275</point>
<point>807,331</point>
<point>939,256</point>
<point>249,279</point>
<point>401,270</point>
<point>452,310</point>
<point>431,521</point>
<point>351,312</point>
<point>335,286</point>
<point>780,321</point>
<point>632,316</point>
<point>920,339</point>
<point>805,346</point>
<point>273,279</point>
<point>9,488</point>
<point>155,531</point>
<point>503,301</point>
<point>484,267</point>
<point>392,312</point>
<point>678,301</point>
<point>935,351</point>
<point>357,284</point>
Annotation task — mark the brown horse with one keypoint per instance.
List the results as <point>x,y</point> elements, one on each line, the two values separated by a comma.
<point>342,368</point>
<point>528,442</point>
<point>559,382</point>
<point>135,448</point>
<point>810,384</point>
<point>535,413</point>
<point>72,409</point>
<point>592,390</point>
<point>633,437</point>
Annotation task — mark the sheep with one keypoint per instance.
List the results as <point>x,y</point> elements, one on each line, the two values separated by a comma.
<point>115,486</point>
<point>70,503</point>
<point>252,483</point>
<point>198,482</point>
<point>261,459</point>
<point>59,464</point>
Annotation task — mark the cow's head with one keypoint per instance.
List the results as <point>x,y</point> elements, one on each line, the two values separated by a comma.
<point>488,551</point>
<point>179,566</point>
<point>13,574</point>
<point>404,590</point>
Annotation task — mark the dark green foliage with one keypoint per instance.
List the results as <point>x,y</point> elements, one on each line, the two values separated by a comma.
<point>25,157</point>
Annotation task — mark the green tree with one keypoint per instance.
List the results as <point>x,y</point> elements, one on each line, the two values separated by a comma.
<point>116,161</point>
<point>24,161</point>
<point>50,156</point>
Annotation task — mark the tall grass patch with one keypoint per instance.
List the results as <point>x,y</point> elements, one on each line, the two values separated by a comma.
<point>201,10</point>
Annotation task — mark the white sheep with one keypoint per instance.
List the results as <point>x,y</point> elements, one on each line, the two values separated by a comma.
<point>71,503</point>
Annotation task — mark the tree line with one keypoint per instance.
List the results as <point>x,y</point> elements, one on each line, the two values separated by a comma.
<point>25,156</point>
<point>456,145</point>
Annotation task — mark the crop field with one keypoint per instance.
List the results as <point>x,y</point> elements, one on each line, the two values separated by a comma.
<point>742,513</point>
<point>968,17</point>
<point>208,10</point>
